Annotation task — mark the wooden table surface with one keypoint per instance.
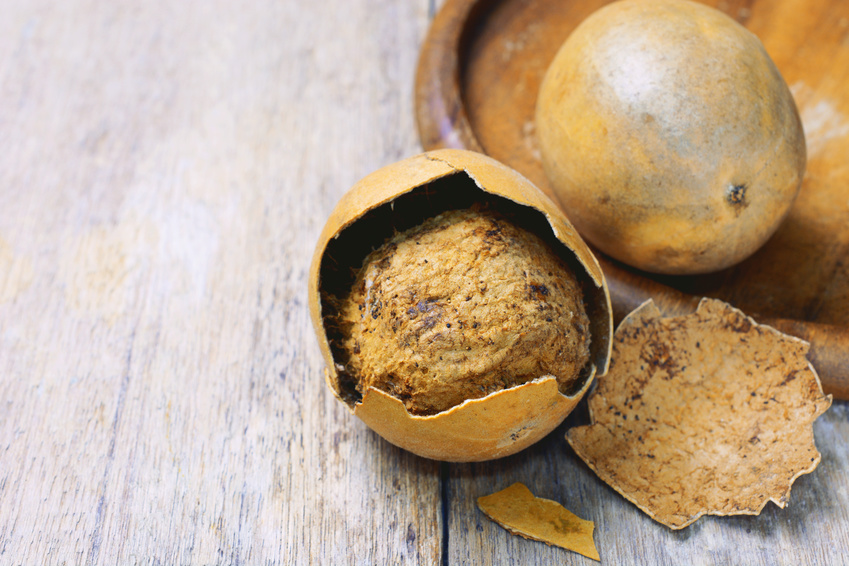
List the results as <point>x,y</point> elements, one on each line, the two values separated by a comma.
<point>165,169</point>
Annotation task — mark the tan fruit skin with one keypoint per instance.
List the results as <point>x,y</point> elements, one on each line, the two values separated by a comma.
<point>501,423</point>
<point>649,116</point>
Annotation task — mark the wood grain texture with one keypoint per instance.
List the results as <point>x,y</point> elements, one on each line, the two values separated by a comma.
<point>165,172</point>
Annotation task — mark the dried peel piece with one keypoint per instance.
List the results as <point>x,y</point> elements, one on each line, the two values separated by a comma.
<point>517,510</point>
<point>708,413</point>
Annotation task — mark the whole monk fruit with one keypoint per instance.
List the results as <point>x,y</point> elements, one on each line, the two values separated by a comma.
<point>460,314</point>
<point>669,136</point>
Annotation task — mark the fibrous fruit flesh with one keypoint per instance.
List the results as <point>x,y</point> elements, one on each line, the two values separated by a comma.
<point>461,306</point>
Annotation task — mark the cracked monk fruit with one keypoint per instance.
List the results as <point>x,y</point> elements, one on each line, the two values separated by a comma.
<point>461,316</point>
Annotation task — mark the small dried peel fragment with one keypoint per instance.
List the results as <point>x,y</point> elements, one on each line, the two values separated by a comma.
<point>517,510</point>
<point>708,413</point>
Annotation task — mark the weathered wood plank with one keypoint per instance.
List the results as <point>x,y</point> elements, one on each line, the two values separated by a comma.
<point>165,172</point>
<point>166,168</point>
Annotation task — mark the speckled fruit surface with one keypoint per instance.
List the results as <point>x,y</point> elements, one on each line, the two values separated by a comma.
<point>669,136</point>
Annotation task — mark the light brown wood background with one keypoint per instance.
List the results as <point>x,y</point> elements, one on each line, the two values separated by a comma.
<point>165,168</point>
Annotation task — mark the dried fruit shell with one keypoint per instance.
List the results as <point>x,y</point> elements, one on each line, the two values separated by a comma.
<point>708,413</point>
<point>503,422</point>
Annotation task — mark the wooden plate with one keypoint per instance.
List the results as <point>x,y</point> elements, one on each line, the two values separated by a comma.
<point>476,87</point>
